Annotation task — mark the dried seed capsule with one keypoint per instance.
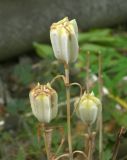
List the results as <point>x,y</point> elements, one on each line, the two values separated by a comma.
<point>88,108</point>
<point>44,102</point>
<point>64,39</point>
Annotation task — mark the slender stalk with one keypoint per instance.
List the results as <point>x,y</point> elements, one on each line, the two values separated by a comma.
<point>117,144</point>
<point>81,153</point>
<point>93,143</point>
<point>87,71</point>
<point>61,130</point>
<point>100,138</point>
<point>100,116</point>
<point>47,134</point>
<point>60,146</point>
<point>76,84</point>
<point>68,111</point>
<point>86,143</point>
<point>61,156</point>
<point>57,77</point>
<point>89,143</point>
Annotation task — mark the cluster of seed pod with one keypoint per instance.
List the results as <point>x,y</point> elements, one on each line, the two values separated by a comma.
<point>43,98</point>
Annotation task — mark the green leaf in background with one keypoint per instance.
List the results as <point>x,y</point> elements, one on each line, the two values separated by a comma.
<point>94,34</point>
<point>108,81</point>
<point>95,48</point>
<point>23,73</point>
<point>120,117</point>
<point>21,154</point>
<point>113,63</point>
<point>43,50</point>
<point>16,105</point>
<point>107,154</point>
<point>104,37</point>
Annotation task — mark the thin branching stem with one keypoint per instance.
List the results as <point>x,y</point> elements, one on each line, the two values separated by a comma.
<point>87,70</point>
<point>117,144</point>
<point>82,153</point>
<point>68,111</point>
<point>60,146</point>
<point>89,143</point>
<point>61,156</point>
<point>100,84</point>
<point>77,84</point>
<point>47,134</point>
<point>62,140</point>
<point>56,78</point>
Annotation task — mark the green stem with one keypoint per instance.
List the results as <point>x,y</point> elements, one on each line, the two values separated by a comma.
<point>68,111</point>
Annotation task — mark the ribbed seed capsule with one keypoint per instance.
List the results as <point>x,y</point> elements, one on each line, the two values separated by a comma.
<point>64,39</point>
<point>88,108</point>
<point>44,102</point>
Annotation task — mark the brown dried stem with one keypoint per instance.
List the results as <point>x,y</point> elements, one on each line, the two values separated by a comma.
<point>68,110</point>
<point>82,153</point>
<point>89,143</point>
<point>61,156</point>
<point>87,71</point>
<point>47,133</point>
<point>76,84</point>
<point>100,84</point>
<point>61,130</point>
<point>117,144</point>
<point>58,77</point>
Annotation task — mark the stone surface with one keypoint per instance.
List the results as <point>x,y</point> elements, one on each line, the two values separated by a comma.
<point>24,21</point>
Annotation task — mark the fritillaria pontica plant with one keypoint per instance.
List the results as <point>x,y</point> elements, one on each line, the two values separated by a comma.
<point>44,99</point>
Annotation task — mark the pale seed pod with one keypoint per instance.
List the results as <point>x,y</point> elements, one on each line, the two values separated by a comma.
<point>64,40</point>
<point>44,102</point>
<point>88,108</point>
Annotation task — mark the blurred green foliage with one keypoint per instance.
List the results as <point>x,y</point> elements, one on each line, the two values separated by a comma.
<point>23,73</point>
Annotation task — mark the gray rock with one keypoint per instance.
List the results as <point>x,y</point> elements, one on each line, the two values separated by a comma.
<point>24,21</point>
